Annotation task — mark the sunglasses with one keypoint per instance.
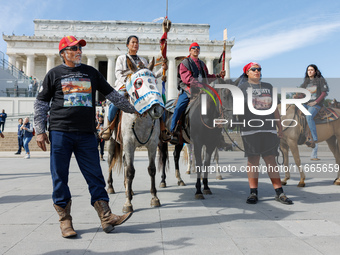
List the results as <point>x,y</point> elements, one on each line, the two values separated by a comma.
<point>256,68</point>
<point>195,47</point>
<point>74,48</point>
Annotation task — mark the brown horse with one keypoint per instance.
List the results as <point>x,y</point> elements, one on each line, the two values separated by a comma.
<point>329,132</point>
<point>334,104</point>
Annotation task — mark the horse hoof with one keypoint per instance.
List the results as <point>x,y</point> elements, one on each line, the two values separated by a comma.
<point>207,192</point>
<point>155,202</point>
<point>199,196</point>
<point>219,177</point>
<point>111,191</point>
<point>187,172</point>
<point>181,183</point>
<point>284,183</point>
<point>301,185</point>
<point>337,182</point>
<point>127,208</point>
<point>162,185</point>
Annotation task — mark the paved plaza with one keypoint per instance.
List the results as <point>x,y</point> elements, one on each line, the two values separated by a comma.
<point>221,224</point>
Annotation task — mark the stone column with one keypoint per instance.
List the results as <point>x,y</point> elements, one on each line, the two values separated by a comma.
<point>30,65</point>
<point>18,64</point>
<point>12,59</point>
<point>210,65</point>
<point>227,68</point>
<point>91,60</point>
<point>111,77</point>
<point>172,79</point>
<point>49,62</point>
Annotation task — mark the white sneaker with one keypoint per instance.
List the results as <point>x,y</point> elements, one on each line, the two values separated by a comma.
<point>27,156</point>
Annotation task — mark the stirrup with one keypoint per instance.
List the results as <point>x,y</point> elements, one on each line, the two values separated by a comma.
<point>105,134</point>
<point>165,136</point>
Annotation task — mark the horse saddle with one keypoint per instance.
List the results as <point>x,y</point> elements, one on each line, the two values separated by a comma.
<point>171,105</point>
<point>326,115</point>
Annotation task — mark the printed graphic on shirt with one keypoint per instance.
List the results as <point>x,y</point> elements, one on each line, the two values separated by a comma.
<point>262,99</point>
<point>313,91</point>
<point>77,92</point>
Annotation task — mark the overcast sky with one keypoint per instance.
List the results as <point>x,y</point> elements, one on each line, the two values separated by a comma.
<point>283,36</point>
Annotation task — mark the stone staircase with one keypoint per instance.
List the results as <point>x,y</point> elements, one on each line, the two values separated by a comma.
<point>10,143</point>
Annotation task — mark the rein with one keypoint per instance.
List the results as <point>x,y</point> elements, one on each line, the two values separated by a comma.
<point>220,108</point>
<point>134,132</point>
<point>292,119</point>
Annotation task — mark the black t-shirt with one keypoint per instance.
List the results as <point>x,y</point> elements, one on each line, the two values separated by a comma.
<point>71,91</point>
<point>262,100</point>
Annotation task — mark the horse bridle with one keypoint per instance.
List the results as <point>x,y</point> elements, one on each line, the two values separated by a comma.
<point>134,132</point>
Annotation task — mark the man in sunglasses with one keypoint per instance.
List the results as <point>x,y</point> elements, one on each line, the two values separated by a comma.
<point>192,74</point>
<point>68,92</point>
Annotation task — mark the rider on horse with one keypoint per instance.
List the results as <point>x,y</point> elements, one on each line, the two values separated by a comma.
<point>132,44</point>
<point>317,85</point>
<point>192,74</point>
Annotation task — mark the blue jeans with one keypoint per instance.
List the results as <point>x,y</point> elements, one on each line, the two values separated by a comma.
<point>315,152</point>
<point>113,109</point>
<point>20,143</point>
<point>310,119</point>
<point>84,147</point>
<point>182,103</point>
<point>26,142</point>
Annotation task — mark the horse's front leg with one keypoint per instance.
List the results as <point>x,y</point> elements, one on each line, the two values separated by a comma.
<point>129,172</point>
<point>199,170</point>
<point>152,172</point>
<point>295,152</point>
<point>110,149</point>
<point>334,146</point>
<point>177,152</point>
<point>163,148</point>
<point>207,159</point>
<point>218,169</point>
<point>285,150</point>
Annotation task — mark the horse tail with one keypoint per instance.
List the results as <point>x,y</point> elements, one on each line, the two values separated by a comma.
<point>163,156</point>
<point>117,162</point>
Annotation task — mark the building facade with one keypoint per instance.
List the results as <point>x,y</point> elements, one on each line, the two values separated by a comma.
<point>106,40</point>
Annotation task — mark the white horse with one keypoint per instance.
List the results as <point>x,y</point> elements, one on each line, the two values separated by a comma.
<point>137,131</point>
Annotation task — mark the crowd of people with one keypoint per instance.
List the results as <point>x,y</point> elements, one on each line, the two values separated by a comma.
<point>76,129</point>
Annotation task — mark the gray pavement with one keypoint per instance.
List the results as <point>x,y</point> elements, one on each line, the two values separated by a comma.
<point>221,224</point>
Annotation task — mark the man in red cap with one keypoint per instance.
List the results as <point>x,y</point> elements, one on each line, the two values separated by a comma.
<point>192,74</point>
<point>68,92</point>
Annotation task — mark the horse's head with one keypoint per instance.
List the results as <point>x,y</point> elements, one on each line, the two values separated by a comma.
<point>142,88</point>
<point>227,104</point>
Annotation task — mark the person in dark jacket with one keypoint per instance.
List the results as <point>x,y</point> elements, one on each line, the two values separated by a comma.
<point>3,117</point>
<point>20,137</point>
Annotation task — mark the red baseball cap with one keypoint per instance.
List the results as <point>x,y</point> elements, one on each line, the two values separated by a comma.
<point>249,65</point>
<point>70,41</point>
<point>193,44</point>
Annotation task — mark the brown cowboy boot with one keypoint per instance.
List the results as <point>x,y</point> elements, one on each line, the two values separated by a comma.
<point>309,141</point>
<point>65,220</point>
<point>107,218</point>
<point>106,133</point>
